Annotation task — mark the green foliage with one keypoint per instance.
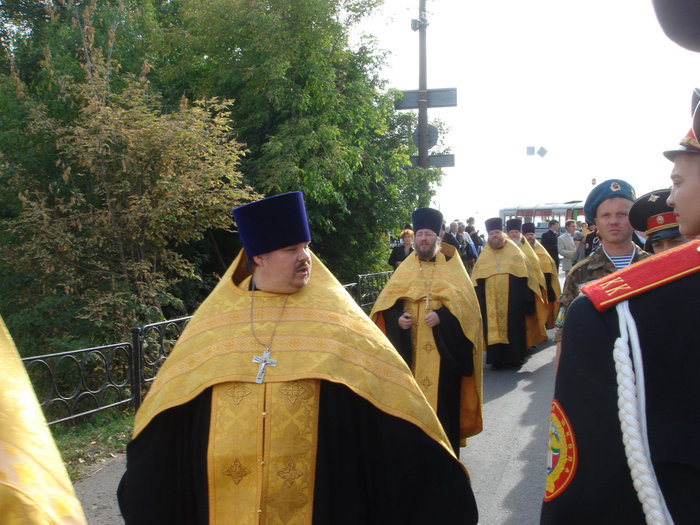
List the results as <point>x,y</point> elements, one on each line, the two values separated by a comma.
<point>94,242</point>
<point>86,445</point>
<point>121,152</point>
<point>134,184</point>
<point>310,111</point>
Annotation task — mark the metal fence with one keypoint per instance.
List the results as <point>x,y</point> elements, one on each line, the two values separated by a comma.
<point>152,344</point>
<point>368,287</point>
<point>78,383</point>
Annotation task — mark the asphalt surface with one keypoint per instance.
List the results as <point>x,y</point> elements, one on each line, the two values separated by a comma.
<point>98,493</point>
<point>506,461</point>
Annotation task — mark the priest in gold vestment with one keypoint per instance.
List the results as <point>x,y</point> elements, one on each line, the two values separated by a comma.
<point>429,311</point>
<point>34,485</point>
<point>535,325</point>
<point>508,290</point>
<point>551,273</point>
<point>282,403</point>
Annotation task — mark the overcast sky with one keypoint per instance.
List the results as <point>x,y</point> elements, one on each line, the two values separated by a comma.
<point>596,83</point>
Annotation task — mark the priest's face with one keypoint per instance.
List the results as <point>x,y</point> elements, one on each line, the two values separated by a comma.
<point>514,236</point>
<point>496,239</point>
<point>426,244</point>
<point>283,271</point>
<point>530,238</point>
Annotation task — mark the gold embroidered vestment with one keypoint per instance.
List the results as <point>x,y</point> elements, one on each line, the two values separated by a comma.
<point>549,267</point>
<point>34,485</point>
<point>450,287</point>
<point>494,267</point>
<point>262,442</point>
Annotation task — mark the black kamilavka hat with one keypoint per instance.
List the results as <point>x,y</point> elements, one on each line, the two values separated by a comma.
<point>514,224</point>
<point>496,223</point>
<point>427,219</point>
<point>272,223</point>
<point>528,227</point>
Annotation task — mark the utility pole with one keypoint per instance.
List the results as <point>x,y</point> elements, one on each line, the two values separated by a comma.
<point>426,136</point>
<point>422,89</point>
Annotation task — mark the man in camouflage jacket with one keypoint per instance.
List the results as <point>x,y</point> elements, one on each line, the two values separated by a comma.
<point>608,204</point>
<point>593,267</point>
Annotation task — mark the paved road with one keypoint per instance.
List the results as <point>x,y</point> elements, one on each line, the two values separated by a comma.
<point>98,493</point>
<point>506,461</point>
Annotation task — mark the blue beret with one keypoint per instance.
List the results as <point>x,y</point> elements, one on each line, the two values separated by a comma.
<point>272,223</point>
<point>514,224</point>
<point>495,223</point>
<point>427,219</point>
<point>528,227</point>
<point>606,190</point>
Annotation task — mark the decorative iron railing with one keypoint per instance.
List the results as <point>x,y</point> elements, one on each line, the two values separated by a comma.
<point>368,288</point>
<point>152,344</point>
<point>79,383</point>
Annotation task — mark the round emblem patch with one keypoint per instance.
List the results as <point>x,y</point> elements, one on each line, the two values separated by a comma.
<point>563,456</point>
<point>659,219</point>
<point>615,186</point>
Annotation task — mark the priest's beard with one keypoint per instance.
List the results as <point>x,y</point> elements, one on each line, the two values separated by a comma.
<point>497,242</point>
<point>427,252</point>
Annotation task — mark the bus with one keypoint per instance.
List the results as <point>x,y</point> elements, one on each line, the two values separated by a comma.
<point>541,214</point>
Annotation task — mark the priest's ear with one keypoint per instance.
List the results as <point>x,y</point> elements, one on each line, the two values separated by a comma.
<point>258,260</point>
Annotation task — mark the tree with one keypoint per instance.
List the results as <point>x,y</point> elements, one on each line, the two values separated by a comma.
<point>121,137</point>
<point>310,110</point>
<point>94,251</point>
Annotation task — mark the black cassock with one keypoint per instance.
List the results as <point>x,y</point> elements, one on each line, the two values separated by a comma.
<point>601,490</point>
<point>551,296</point>
<point>521,302</point>
<point>371,468</point>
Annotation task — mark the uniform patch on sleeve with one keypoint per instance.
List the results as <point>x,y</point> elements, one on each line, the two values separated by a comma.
<point>563,456</point>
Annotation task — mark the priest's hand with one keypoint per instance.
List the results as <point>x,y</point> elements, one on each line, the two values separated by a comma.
<point>405,321</point>
<point>432,319</point>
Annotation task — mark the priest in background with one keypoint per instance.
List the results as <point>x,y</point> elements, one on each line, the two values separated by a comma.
<point>507,288</point>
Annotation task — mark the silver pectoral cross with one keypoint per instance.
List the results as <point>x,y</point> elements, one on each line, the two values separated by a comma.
<point>264,361</point>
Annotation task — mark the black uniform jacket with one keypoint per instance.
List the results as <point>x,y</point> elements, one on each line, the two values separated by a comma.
<point>589,480</point>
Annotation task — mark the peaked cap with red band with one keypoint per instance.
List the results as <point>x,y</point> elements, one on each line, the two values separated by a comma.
<point>644,275</point>
<point>689,144</point>
<point>653,216</point>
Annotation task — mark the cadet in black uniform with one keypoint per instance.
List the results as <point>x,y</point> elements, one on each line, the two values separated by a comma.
<point>625,425</point>
<point>656,219</point>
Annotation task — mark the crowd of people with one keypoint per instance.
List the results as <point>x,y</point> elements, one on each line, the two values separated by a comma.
<point>283,402</point>
<point>463,236</point>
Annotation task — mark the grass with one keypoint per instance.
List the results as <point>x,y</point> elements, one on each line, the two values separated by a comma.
<point>86,445</point>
